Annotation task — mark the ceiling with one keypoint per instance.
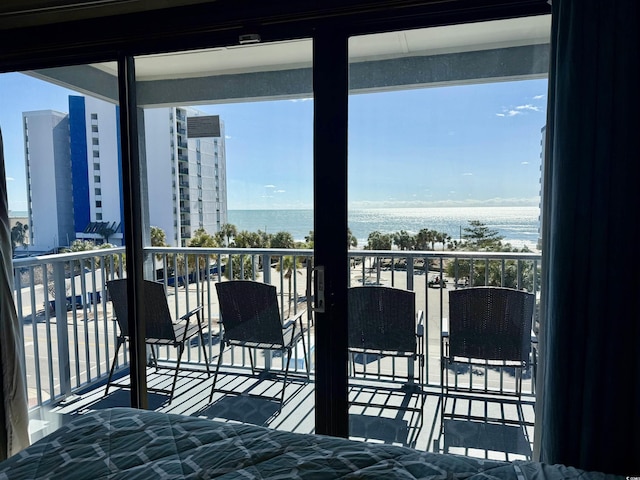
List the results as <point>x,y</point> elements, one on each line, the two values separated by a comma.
<point>297,54</point>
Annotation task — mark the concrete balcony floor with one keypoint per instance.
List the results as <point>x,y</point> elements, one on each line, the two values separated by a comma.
<point>501,428</point>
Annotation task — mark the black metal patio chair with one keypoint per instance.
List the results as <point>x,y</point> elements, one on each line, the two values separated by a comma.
<point>488,328</point>
<point>159,326</point>
<point>250,318</point>
<point>383,322</point>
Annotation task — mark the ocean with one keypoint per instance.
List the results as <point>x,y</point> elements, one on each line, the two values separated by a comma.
<point>517,225</point>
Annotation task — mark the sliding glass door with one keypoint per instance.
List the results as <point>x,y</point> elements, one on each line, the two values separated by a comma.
<point>226,141</point>
<point>446,129</point>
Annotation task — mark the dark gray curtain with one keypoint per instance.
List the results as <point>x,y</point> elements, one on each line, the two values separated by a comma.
<point>591,399</point>
<point>14,415</point>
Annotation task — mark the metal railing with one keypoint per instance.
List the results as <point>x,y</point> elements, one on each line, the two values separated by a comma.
<point>68,332</point>
<point>69,344</point>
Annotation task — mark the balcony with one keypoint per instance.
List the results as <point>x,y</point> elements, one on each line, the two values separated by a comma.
<point>69,344</point>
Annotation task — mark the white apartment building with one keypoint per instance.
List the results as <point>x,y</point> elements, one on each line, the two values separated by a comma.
<point>186,170</point>
<point>543,161</point>
<point>48,173</point>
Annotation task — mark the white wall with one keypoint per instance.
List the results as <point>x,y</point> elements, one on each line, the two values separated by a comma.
<point>50,187</point>
<point>158,136</point>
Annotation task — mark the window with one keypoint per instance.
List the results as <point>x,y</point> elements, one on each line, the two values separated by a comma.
<point>94,116</point>
<point>96,178</point>
<point>98,191</point>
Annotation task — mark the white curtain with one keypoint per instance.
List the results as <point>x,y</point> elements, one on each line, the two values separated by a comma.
<point>14,414</point>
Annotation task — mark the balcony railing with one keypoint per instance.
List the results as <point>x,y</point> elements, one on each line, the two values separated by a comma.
<point>70,332</point>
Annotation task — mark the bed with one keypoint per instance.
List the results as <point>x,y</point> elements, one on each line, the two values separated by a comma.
<point>121,443</point>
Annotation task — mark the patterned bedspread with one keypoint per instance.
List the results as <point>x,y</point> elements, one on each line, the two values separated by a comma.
<point>133,444</point>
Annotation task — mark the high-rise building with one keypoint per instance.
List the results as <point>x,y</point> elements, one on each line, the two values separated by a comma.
<point>186,166</point>
<point>543,161</point>
<point>73,162</point>
<point>95,169</point>
<point>48,173</point>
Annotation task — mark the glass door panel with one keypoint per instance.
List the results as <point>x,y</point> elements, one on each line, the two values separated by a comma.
<point>227,142</point>
<point>445,171</point>
<point>61,140</point>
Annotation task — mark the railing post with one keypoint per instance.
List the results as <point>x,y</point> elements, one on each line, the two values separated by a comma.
<point>266,268</point>
<point>410,273</point>
<point>61,328</point>
<point>410,362</point>
<point>266,278</point>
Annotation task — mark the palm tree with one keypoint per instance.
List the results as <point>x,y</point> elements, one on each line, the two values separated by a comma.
<point>404,240</point>
<point>158,237</point>
<point>443,238</point>
<point>227,231</point>
<point>204,240</point>
<point>18,235</point>
<point>423,239</point>
<point>282,240</point>
<point>352,240</point>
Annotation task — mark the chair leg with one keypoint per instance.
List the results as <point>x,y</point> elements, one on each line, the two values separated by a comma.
<point>175,375</point>
<point>204,349</point>
<point>215,375</point>
<point>153,356</point>
<point>307,359</point>
<point>286,373</point>
<point>113,366</point>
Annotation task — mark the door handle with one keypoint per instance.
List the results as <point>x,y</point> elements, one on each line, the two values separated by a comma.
<point>319,284</point>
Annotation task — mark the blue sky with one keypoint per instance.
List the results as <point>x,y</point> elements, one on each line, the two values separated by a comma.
<point>445,146</point>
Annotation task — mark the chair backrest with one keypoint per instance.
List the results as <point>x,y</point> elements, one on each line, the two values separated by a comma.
<point>157,318</point>
<point>249,312</point>
<point>382,318</point>
<point>490,323</point>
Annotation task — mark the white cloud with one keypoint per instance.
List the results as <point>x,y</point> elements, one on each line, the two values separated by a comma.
<point>528,106</point>
<point>228,137</point>
<point>518,110</point>
<point>269,186</point>
<point>538,97</point>
<point>10,179</point>
<point>300,100</point>
<point>467,174</point>
<point>524,163</point>
<point>509,113</point>
<point>280,191</point>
